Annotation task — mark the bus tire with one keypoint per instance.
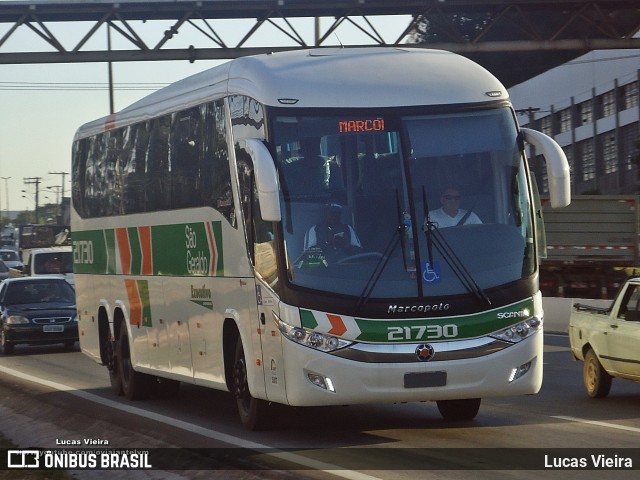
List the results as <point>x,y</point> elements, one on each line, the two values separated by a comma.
<point>596,379</point>
<point>111,355</point>
<point>459,410</point>
<point>135,385</point>
<point>253,412</point>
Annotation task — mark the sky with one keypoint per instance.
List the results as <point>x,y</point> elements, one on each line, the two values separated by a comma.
<point>41,106</point>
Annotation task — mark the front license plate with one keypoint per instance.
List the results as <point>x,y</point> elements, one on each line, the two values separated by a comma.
<point>53,328</point>
<point>425,379</point>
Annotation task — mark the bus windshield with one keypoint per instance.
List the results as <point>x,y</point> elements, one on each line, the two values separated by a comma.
<point>419,205</point>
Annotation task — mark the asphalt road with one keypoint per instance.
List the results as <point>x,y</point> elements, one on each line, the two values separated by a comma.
<point>49,397</point>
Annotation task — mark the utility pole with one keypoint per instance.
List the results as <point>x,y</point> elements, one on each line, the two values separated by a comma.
<point>35,181</point>
<point>63,174</point>
<point>110,71</point>
<point>60,198</point>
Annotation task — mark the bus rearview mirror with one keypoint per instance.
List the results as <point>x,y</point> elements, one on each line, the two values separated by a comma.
<point>266,179</point>
<point>558,173</point>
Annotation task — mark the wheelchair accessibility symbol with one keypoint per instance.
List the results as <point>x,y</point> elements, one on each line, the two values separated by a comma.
<point>431,275</point>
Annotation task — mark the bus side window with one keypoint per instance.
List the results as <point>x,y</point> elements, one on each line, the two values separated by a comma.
<point>157,196</point>
<point>186,142</point>
<point>132,168</point>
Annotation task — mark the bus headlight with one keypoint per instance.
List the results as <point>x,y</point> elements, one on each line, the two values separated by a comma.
<point>309,338</point>
<point>519,331</point>
<point>522,370</point>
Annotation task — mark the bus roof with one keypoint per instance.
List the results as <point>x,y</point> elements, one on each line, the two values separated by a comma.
<point>327,77</point>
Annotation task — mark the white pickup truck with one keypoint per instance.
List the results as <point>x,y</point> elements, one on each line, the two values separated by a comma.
<point>608,339</point>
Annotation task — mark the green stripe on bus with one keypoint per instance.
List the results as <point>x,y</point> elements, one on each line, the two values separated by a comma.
<point>307,319</point>
<point>91,255</point>
<point>179,250</point>
<point>143,288</point>
<point>110,251</point>
<point>444,328</point>
<point>434,329</point>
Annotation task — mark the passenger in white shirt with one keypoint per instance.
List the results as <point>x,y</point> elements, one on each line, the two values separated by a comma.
<point>450,214</point>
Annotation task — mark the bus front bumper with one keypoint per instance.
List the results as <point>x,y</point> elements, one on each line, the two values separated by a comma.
<point>315,378</point>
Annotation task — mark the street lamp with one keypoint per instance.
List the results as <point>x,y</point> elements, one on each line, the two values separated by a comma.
<point>28,196</point>
<point>6,191</point>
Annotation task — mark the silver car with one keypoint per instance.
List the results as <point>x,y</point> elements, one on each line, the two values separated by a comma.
<point>11,259</point>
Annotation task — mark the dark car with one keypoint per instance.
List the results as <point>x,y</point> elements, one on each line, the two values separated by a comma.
<point>37,310</point>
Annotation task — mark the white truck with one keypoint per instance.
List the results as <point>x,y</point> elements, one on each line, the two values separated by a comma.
<point>48,261</point>
<point>607,339</point>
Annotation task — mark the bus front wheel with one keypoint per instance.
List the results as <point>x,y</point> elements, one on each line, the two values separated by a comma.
<point>253,412</point>
<point>459,410</point>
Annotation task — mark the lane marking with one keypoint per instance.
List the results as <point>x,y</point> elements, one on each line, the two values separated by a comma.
<point>190,427</point>
<point>597,423</point>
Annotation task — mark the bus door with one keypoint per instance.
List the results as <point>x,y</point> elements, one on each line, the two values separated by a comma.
<point>271,341</point>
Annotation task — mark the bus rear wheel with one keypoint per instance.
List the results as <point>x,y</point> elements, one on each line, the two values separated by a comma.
<point>459,410</point>
<point>253,412</point>
<point>112,365</point>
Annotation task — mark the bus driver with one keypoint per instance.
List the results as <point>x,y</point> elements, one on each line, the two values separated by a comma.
<point>331,234</point>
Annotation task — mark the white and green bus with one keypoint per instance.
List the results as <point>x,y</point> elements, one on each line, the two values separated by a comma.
<point>270,227</point>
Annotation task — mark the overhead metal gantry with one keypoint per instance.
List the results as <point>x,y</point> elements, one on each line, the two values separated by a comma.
<point>515,39</point>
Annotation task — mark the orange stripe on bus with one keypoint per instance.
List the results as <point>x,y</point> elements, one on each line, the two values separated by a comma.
<point>212,249</point>
<point>145,245</point>
<point>135,304</point>
<point>337,325</point>
<point>125,250</point>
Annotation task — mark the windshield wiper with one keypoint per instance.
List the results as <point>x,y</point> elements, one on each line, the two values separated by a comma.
<point>428,227</point>
<point>435,238</point>
<point>397,237</point>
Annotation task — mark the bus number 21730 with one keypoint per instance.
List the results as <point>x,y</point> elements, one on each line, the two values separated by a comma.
<point>422,332</point>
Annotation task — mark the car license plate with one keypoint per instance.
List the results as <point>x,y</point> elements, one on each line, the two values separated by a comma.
<point>53,328</point>
<point>425,379</point>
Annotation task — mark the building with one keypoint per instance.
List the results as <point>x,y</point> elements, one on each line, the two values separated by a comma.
<point>591,107</point>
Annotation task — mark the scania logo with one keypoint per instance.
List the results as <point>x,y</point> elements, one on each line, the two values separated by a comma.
<point>425,352</point>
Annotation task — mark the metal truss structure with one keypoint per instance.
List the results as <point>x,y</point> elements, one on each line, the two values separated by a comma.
<point>516,39</point>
